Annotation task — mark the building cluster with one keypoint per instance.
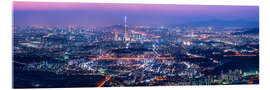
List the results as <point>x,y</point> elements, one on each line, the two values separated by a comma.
<point>134,55</point>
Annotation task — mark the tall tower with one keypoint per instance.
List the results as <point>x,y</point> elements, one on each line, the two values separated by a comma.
<point>125,35</point>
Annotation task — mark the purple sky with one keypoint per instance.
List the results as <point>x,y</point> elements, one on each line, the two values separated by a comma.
<point>140,14</point>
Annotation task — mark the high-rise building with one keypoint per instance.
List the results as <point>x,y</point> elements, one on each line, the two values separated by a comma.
<point>125,34</point>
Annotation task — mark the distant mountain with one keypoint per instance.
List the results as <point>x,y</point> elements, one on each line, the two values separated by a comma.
<point>252,31</point>
<point>119,26</point>
<point>249,31</point>
<point>216,22</point>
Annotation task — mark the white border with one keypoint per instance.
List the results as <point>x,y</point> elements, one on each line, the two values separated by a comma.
<point>6,40</point>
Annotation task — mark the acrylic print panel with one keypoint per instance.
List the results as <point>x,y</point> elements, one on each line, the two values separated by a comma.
<point>57,45</point>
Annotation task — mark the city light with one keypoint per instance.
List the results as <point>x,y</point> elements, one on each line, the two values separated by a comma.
<point>121,47</point>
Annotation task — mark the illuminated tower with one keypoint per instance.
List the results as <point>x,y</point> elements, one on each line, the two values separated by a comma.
<point>125,35</point>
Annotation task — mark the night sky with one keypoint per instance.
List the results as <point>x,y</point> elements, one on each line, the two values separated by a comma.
<point>138,14</point>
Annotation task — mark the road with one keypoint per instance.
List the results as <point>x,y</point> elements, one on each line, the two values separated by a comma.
<point>107,78</point>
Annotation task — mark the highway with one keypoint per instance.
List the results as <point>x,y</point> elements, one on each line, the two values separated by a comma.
<point>107,78</point>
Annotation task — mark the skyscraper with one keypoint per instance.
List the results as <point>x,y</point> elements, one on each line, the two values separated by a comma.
<point>125,22</point>
<point>126,36</point>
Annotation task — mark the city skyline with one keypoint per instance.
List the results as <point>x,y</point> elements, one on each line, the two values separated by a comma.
<point>62,45</point>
